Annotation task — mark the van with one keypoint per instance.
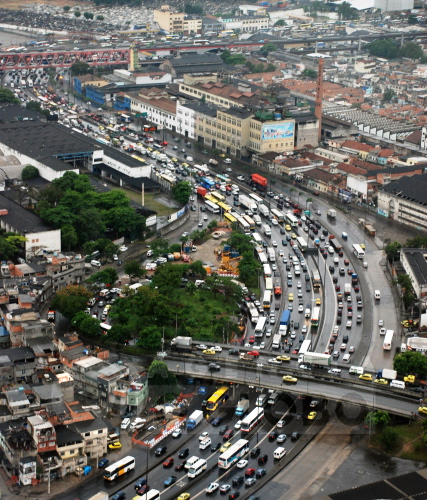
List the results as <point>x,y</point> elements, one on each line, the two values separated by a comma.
<point>346,358</point>
<point>377,295</point>
<point>403,347</point>
<point>191,461</point>
<point>279,453</point>
<point>261,400</point>
<point>398,384</point>
<point>307,312</point>
<point>205,443</point>
<point>297,270</point>
<point>335,371</point>
<point>356,370</point>
<point>95,263</point>
<point>125,423</point>
<point>295,261</point>
<point>104,293</point>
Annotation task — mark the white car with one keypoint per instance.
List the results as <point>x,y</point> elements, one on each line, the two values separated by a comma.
<point>380,322</point>
<point>273,267</point>
<point>293,335</point>
<point>123,248</point>
<point>203,435</point>
<point>274,243</point>
<point>238,424</point>
<point>115,257</point>
<point>240,178</point>
<point>304,329</point>
<point>382,331</point>
<point>201,347</point>
<point>184,235</point>
<point>300,308</point>
<point>205,217</point>
<point>177,433</point>
<point>262,345</point>
<point>299,284</point>
<point>274,361</point>
<point>281,254</point>
<point>268,332</point>
<point>241,464</point>
<point>227,161</point>
<point>212,488</point>
<point>189,158</point>
<point>216,348</point>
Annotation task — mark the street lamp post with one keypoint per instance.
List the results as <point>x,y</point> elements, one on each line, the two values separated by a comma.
<point>48,477</point>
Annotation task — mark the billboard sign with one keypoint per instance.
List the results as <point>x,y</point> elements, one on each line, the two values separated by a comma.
<point>278,131</point>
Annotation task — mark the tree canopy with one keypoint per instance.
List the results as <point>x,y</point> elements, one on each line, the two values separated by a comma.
<point>72,204</point>
<point>190,8</point>
<point>181,192</point>
<point>30,172</point>
<point>410,363</point>
<point>71,300</point>
<point>10,244</point>
<point>7,96</point>
<point>385,48</point>
<point>80,68</point>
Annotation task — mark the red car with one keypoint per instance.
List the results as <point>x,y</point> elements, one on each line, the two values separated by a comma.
<point>168,462</point>
<point>228,435</point>
<point>346,262</point>
<point>144,488</point>
<point>251,339</point>
<point>250,472</point>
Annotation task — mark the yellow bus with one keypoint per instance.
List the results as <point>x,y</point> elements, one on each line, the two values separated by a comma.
<point>223,206</point>
<point>218,398</point>
<point>229,217</point>
<point>304,26</point>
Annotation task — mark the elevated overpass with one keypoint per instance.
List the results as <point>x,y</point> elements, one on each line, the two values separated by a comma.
<point>317,383</point>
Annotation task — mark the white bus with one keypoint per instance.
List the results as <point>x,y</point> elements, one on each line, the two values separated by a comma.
<point>119,468</point>
<point>253,313</point>
<point>315,315</point>
<point>257,199</point>
<point>257,238</point>
<point>267,271</point>
<point>277,214</point>
<point>358,251</point>
<point>266,300</point>
<point>260,326</point>
<point>302,244</point>
<point>197,468</point>
<point>212,207</point>
<point>244,225</point>
<point>291,220</point>
<point>252,420</point>
<point>262,258</point>
<point>269,284</point>
<point>250,221</point>
<point>233,454</point>
<point>388,340</point>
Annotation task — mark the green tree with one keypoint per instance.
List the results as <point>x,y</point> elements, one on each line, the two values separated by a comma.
<point>159,374</point>
<point>383,48</point>
<point>119,333</point>
<point>213,224</point>
<point>279,23</point>
<point>346,11</point>
<point>107,276</point>
<point>249,270</point>
<point>66,8</point>
<point>30,172</point>
<point>7,96</point>
<point>267,48</point>
<point>88,15</point>
<point>69,237</point>
<point>182,192</point>
<point>159,247</point>
<point>232,59</point>
<point>392,251</point>
<point>37,107</point>
<point>389,439</point>
<point>7,250</point>
<point>174,248</point>
<point>70,300</point>
<point>309,73</point>
<point>77,13</point>
<point>410,363</point>
<point>80,68</point>
<point>133,269</point>
<point>167,278</point>
<point>412,19</point>
<point>190,8</point>
<point>411,50</point>
<point>241,242</point>
<point>388,95</point>
<point>378,418</point>
<point>89,326</point>
<point>99,18</point>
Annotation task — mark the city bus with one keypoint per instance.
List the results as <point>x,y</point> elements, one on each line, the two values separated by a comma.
<point>302,244</point>
<point>252,420</point>
<point>119,468</point>
<point>304,26</point>
<point>212,207</point>
<point>253,312</point>
<point>257,199</point>
<point>260,326</point>
<point>207,183</point>
<point>223,206</point>
<point>262,258</point>
<point>250,221</point>
<point>258,239</point>
<point>201,170</point>
<point>225,33</point>
<point>244,225</point>
<point>233,454</point>
<point>267,271</point>
<point>269,284</point>
<point>266,301</point>
<point>218,196</point>
<point>388,340</point>
<point>315,316</point>
<point>197,468</point>
<point>315,278</point>
<point>229,217</point>
<point>218,398</point>
<point>222,178</point>
<point>278,215</point>
<point>201,42</point>
<point>358,251</point>
<point>291,220</point>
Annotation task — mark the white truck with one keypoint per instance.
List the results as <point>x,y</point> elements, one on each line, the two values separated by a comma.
<point>347,289</point>
<point>181,343</point>
<point>257,219</point>
<point>387,373</point>
<point>213,162</point>
<point>266,230</point>
<point>271,254</point>
<point>263,210</point>
<point>194,419</point>
<point>277,338</point>
<point>247,203</point>
<point>331,213</point>
<point>242,407</point>
<point>316,358</point>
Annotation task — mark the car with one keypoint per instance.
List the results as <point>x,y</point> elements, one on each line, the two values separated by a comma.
<point>184,496</point>
<point>273,435</point>
<point>380,322</point>
<point>168,462</point>
<point>212,488</point>
<point>274,243</point>
<point>366,376</point>
<point>233,494</point>
<point>261,473</point>
<point>216,421</point>
<point>291,297</point>
<point>312,415</point>
<point>201,347</point>
<point>349,324</point>
<point>203,435</point>
<point>214,367</point>
<point>228,434</point>
<point>234,352</point>
<point>268,332</point>
<point>216,348</point>
<point>283,358</point>
<point>161,450</point>
<point>290,379</point>
<point>120,495</point>
<point>183,453</point>
<point>116,445</point>
<point>215,447</point>
<point>141,482</point>
<point>382,331</point>
<point>295,436</point>
<point>274,361</point>
<point>305,367</point>
<point>304,329</point>
<point>250,472</point>
<point>343,347</point>
<point>422,409</point>
<point>103,463</point>
<point>262,459</point>
<point>281,438</point>
<point>225,488</point>
<point>170,481</point>
<point>210,352</point>
<point>240,178</point>
<point>381,381</point>
<point>250,481</point>
<point>255,452</point>
<point>180,466</point>
<point>314,403</point>
<point>223,429</point>
<point>241,464</point>
<point>225,446</point>
<point>238,424</point>
<point>351,349</point>
<point>177,433</point>
<point>318,301</point>
<point>123,248</point>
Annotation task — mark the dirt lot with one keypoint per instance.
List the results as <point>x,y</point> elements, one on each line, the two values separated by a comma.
<point>15,5</point>
<point>205,252</point>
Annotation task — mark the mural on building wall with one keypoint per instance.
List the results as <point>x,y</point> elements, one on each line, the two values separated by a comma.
<point>278,131</point>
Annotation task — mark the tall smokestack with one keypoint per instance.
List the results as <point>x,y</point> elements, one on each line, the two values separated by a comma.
<point>319,96</point>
